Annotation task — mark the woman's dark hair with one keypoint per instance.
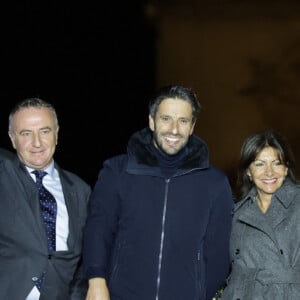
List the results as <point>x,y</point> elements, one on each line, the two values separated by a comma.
<point>175,91</point>
<point>252,146</point>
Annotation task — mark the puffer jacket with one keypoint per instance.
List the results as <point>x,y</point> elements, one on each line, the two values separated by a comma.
<point>265,248</point>
<point>154,238</point>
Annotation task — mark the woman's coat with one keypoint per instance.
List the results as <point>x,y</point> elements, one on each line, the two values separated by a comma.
<point>265,248</point>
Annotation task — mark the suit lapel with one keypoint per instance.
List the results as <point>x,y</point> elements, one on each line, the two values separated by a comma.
<point>72,206</point>
<point>28,200</point>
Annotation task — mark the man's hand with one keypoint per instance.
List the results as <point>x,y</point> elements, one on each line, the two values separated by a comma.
<point>97,290</point>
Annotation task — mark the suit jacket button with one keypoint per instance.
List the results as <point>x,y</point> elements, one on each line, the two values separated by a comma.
<point>49,256</point>
<point>237,251</point>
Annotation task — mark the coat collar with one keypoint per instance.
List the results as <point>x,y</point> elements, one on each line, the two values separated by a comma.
<point>140,155</point>
<point>248,212</point>
<point>285,195</point>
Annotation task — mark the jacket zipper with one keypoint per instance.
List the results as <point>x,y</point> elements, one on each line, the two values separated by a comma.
<point>162,236</point>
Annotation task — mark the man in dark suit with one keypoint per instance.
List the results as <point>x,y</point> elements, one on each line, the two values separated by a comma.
<point>29,268</point>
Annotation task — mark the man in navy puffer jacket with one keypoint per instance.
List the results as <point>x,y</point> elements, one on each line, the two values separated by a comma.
<point>160,216</point>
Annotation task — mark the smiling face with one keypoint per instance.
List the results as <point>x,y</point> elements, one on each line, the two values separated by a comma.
<point>172,125</point>
<point>267,172</point>
<point>34,136</point>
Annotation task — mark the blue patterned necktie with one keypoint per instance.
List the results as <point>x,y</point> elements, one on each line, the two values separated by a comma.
<point>48,207</point>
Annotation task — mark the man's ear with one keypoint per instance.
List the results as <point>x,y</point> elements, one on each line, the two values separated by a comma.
<point>151,123</point>
<point>12,139</point>
<point>192,128</point>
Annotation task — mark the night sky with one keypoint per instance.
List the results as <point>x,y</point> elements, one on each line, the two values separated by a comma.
<point>95,64</point>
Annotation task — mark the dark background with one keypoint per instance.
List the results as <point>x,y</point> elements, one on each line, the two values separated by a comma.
<point>99,62</point>
<point>95,63</point>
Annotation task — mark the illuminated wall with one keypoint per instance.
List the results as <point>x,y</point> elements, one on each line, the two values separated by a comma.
<point>244,63</point>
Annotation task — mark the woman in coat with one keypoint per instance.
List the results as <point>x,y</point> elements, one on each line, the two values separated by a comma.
<point>265,238</point>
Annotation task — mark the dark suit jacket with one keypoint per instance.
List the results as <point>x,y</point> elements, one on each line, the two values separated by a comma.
<point>6,154</point>
<point>23,244</point>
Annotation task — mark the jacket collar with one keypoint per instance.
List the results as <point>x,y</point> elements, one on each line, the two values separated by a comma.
<point>285,195</point>
<point>140,155</point>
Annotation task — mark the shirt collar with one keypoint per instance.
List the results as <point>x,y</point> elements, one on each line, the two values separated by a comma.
<point>49,169</point>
